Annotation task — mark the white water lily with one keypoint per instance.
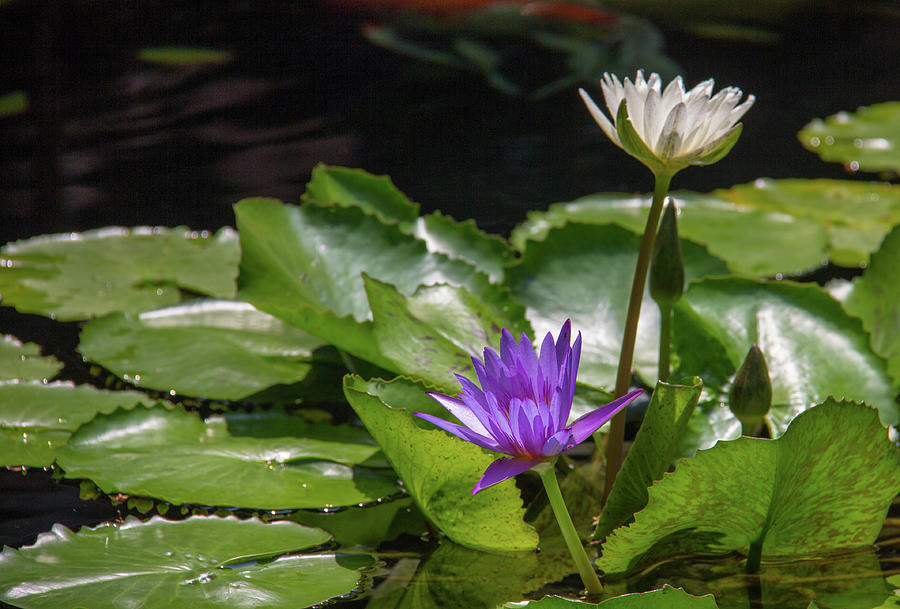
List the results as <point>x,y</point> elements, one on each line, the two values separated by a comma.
<point>669,129</point>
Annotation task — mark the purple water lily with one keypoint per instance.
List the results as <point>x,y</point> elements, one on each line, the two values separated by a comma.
<point>523,404</point>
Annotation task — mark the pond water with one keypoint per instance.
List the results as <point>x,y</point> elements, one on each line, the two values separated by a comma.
<point>109,139</point>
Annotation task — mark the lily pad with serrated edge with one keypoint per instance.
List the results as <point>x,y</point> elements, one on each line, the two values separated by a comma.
<point>868,139</point>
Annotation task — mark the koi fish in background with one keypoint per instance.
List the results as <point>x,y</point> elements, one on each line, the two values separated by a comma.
<point>522,48</point>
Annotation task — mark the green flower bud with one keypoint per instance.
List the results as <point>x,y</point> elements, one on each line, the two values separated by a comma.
<point>750,396</point>
<point>667,267</point>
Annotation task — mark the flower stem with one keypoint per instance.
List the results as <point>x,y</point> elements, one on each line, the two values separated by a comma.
<point>573,542</point>
<point>616,439</point>
<point>665,342</point>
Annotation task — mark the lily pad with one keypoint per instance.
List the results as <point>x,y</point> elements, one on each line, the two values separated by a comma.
<point>434,333</point>
<point>76,276</point>
<point>868,139</point>
<point>665,598</point>
<point>368,526</point>
<point>36,419</point>
<point>439,472</point>
<point>875,298</point>
<point>765,228</point>
<point>813,348</point>
<point>25,362</point>
<point>118,454</point>
<point>441,234</point>
<point>824,486</point>
<point>652,453</point>
<point>354,187</point>
<point>13,103</point>
<point>210,348</point>
<point>298,265</point>
<point>199,562</point>
<point>584,272</point>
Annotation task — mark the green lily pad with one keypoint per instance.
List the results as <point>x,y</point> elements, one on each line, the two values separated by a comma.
<point>13,103</point>
<point>824,486</point>
<point>226,469</point>
<point>441,234</point>
<point>305,264</point>
<point>199,562</point>
<point>584,272</point>
<point>868,139</point>
<point>183,56</point>
<point>813,348</point>
<point>665,598</point>
<point>25,362</point>
<point>652,453</point>
<point>434,333</point>
<point>439,471</point>
<point>81,275</point>
<point>765,228</point>
<point>210,348</point>
<point>36,419</point>
<point>354,187</point>
<point>875,298</point>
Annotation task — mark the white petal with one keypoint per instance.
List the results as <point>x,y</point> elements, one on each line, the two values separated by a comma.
<point>601,119</point>
<point>635,109</point>
<point>670,136</point>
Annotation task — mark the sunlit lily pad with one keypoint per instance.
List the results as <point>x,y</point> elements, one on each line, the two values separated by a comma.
<point>875,298</point>
<point>198,562</point>
<point>824,486</point>
<point>764,228</point>
<point>441,234</point>
<point>36,419</point>
<point>439,471</point>
<point>434,333</point>
<point>81,275</point>
<point>183,56</point>
<point>305,264</point>
<point>868,139</point>
<point>665,598</point>
<point>584,272</point>
<point>813,348</point>
<point>25,362</point>
<point>209,348</point>
<point>227,468</point>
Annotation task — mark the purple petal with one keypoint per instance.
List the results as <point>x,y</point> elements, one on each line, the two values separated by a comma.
<point>562,341</point>
<point>463,412</point>
<point>557,444</point>
<point>507,348</point>
<point>504,469</point>
<point>461,432</point>
<point>527,357</point>
<point>589,423</point>
<point>549,367</point>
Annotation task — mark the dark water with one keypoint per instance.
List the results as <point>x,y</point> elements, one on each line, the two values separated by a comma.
<point>110,140</point>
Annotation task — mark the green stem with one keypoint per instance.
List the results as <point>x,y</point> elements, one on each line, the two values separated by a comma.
<point>573,542</point>
<point>665,342</point>
<point>616,439</point>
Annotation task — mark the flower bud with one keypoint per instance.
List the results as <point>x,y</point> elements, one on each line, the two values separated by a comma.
<point>750,396</point>
<point>667,267</point>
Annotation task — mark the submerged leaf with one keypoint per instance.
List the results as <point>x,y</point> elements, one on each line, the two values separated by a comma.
<point>665,598</point>
<point>199,562</point>
<point>439,471</point>
<point>824,486</point>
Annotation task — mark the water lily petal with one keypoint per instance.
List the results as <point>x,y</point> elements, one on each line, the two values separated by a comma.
<point>461,432</point>
<point>504,469</point>
<point>463,412</point>
<point>589,423</point>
